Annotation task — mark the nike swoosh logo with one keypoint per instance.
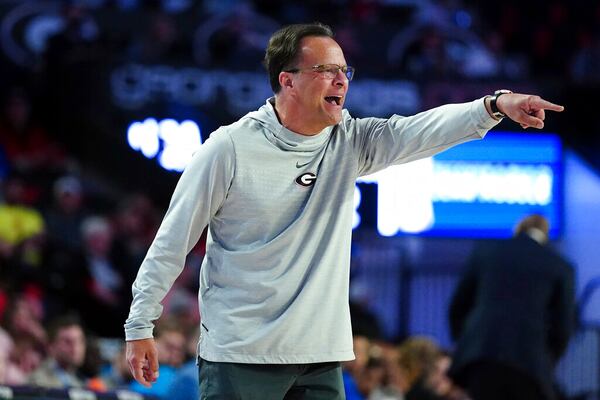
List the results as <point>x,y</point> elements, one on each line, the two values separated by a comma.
<point>298,165</point>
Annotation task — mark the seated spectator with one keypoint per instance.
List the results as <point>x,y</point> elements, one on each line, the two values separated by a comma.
<point>161,42</point>
<point>585,66</point>
<point>64,273</point>
<point>3,300</point>
<point>4,167</point>
<point>234,41</point>
<point>66,349</point>
<point>136,222</point>
<point>118,375</point>
<point>23,319</point>
<point>90,370</point>
<point>353,370</point>
<point>170,344</point>
<point>424,365</point>
<point>182,306</point>
<point>109,283</point>
<point>369,376</point>
<point>63,276</point>
<point>6,346</point>
<point>27,145</point>
<point>440,381</point>
<point>372,381</point>
<point>24,358</point>
<point>19,224</point>
<point>65,216</point>
<point>186,385</point>
<point>22,241</point>
<point>392,382</point>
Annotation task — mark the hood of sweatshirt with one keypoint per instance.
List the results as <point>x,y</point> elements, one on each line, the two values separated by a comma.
<point>284,138</point>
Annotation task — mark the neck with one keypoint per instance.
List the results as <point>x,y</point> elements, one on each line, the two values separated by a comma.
<point>289,116</point>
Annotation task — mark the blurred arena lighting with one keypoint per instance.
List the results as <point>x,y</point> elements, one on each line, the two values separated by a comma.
<point>463,19</point>
<point>356,219</point>
<point>172,143</point>
<point>134,86</point>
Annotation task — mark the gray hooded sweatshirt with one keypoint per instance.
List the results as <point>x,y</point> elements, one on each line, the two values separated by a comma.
<point>279,205</point>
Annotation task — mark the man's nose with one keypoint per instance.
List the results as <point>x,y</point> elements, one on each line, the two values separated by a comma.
<point>340,79</point>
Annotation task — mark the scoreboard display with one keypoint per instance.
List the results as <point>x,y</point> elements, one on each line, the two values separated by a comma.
<point>478,189</point>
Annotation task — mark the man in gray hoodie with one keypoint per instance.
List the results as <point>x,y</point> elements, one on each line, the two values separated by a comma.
<point>276,190</point>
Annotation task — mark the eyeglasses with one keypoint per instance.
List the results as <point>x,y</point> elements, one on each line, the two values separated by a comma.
<point>327,71</point>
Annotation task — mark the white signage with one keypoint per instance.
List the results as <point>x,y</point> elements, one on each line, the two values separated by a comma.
<point>171,142</point>
<point>406,193</point>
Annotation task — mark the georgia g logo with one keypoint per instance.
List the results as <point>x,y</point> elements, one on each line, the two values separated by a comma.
<point>307,179</point>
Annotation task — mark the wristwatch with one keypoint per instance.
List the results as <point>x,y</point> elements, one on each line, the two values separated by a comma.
<point>494,107</point>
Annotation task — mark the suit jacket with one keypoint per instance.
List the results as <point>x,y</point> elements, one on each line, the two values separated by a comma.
<point>515,305</point>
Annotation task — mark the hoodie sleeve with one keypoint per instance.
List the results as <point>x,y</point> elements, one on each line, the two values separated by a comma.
<point>380,143</point>
<point>198,196</point>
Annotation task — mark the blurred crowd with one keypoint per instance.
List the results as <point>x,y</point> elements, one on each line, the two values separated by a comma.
<point>66,356</point>
<point>69,252</point>
<point>66,56</point>
<point>71,243</point>
<point>415,39</point>
<point>416,369</point>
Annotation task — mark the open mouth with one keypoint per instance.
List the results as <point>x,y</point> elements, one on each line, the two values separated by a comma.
<point>335,100</point>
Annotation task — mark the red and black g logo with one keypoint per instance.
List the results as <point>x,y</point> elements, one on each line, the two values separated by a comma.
<point>306,179</point>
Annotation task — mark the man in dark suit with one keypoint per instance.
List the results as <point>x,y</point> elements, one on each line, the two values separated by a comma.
<point>511,316</point>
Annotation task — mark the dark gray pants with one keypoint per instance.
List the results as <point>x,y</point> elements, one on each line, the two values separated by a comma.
<point>231,381</point>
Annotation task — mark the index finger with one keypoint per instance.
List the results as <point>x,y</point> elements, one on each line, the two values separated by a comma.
<point>546,105</point>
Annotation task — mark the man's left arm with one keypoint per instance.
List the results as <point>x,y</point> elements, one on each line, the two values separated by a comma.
<point>396,140</point>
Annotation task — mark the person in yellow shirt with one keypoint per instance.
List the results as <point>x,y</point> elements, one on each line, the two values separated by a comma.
<point>19,223</point>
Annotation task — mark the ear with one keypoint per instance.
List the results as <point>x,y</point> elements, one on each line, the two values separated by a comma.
<point>285,80</point>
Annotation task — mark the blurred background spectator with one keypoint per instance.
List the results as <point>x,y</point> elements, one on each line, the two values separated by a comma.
<point>528,290</point>
<point>81,199</point>
<point>185,385</point>
<point>66,213</point>
<point>117,375</point>
<point>109,278</point>
<point>66,352</point>
<point>28,147</point>
<point>171,346</point>
<point>424,366</point>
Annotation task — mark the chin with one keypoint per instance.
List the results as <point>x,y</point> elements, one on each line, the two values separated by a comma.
<point>334,116</point>
<point>337,118</point>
